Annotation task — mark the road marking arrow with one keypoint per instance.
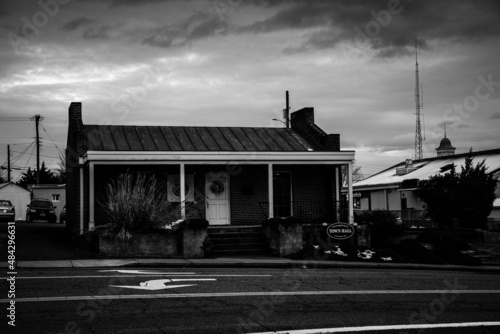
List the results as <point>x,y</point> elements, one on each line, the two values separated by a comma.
<point>144,272</point>
<point>161,284</point>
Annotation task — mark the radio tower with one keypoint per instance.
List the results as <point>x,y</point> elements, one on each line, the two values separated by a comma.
<point>418,130</point>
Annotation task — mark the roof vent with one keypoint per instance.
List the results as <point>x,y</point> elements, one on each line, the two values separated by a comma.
<point>408,168</point>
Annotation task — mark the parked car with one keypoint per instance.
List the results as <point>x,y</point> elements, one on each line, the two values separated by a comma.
<point>41,209</point>
<point>62,215</point>
<point>7,211</point>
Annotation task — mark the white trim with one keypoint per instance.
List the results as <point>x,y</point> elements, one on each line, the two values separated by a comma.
<point>81,199</point>
<point>386,200</point>
<point>351,197</point>
<point>270,190</point>
<point>338,185</point>
<point>212,157</point>
<point>91,197</point>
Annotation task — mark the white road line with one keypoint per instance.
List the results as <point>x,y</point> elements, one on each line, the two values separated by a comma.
<point>248,294</point>
<point>385,328</point>
<point>148,275</point>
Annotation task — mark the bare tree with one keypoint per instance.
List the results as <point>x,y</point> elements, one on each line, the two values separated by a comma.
<point>356,174</point>
<point>60,171</point>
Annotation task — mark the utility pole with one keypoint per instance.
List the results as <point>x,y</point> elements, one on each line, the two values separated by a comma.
<point>8,163</point>
<point>287,111</point>
<point>37,119</point>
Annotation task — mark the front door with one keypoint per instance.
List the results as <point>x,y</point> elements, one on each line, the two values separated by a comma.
<point>217,198</point>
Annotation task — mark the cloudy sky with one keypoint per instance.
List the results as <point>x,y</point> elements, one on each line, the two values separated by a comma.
<point>229,63</point>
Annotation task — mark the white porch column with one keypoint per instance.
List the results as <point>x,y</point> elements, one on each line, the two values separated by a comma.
<point>91,197</point>
<point>386,202</point>
<point>351,197</point>
<point>338,184</point>
<point>270,189</point>
<point>82,198</point>
<point>183,191</point>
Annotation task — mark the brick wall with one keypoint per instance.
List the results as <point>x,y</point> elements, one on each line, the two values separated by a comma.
<point>248,188</point>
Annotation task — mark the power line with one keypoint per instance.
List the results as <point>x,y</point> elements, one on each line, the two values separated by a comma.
<point>46,156</point>
<point>24,152</point>
<point>51,139</point>
<point>13,119</point>
<point>55,120</point>
<point>27,163</point>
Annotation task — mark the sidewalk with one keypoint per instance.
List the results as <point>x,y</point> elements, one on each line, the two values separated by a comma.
<point>256,262</point>
<point>42,245</point>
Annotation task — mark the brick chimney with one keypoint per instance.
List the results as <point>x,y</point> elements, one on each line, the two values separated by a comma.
<point>303,121</point>
<point>75,111</point>
<point>301,117</point>
<point>76,137</point>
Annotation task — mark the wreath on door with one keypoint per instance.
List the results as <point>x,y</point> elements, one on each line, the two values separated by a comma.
<point>217,187</point>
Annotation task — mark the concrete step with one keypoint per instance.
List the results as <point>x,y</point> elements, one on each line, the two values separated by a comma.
<point>235,236</point>
<point>237,240</point>
<point>231,246</point>
<point>234,229</point>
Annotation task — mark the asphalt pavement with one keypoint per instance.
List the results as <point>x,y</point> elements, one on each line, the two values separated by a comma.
<point>44,245</point>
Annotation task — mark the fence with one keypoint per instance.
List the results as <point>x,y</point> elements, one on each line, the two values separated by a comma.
<point>311,212</point>
<point>411,219</point>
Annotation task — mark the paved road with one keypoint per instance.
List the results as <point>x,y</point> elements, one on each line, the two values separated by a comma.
<point>198,300</point>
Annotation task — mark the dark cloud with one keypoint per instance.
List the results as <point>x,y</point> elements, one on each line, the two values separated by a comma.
<point>101,32</point>
<point>81,22</point>
<point>198,26</point>
<point>366,23</point>
<point>135,3</point>
<point>496,116</point>
<point>90,28</point>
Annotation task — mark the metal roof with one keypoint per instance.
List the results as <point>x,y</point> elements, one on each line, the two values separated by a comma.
<point>425,168</point>
<point>180,138</point>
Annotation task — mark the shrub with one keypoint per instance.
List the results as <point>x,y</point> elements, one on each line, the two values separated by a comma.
<point>450,254</point>
<point>431,237</point>
<point>136,203</point>
<point>414,250</point>
<point>382,225</point>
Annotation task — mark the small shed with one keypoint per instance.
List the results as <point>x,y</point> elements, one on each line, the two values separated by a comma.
<point>17,195</point>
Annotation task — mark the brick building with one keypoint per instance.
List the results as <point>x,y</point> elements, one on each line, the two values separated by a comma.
<point>228,175</point>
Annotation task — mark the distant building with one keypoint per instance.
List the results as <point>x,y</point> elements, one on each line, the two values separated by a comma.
<point>18,196</point>
<point>445,148</point>
<point>53,192</point>
<point>393,189</point>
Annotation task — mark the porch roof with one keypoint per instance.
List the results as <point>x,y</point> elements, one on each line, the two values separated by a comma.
<point>195,139</point>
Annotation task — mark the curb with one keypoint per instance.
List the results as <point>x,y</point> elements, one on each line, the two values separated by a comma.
<point>243,263</point>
